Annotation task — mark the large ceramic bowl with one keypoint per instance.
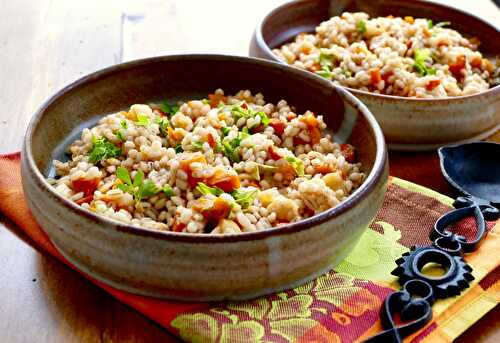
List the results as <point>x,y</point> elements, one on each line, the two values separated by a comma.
<point>407,123</point>
<point>200,266</point>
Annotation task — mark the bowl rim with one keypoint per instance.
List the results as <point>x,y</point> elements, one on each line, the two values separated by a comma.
<point>262,44</point>
<point>367,186</point>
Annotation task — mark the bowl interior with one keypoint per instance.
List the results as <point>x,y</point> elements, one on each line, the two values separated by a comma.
<point>175,78</point>
<point>288,20</point>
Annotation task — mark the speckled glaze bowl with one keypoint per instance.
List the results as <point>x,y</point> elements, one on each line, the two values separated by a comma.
<point>408,124</point>
<point>197,266</point>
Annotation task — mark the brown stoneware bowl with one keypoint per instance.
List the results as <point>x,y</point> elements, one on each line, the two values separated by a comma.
<point>407,123</point>
<point>198,266</point>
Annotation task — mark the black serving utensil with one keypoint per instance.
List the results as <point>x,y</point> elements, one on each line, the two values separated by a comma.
<point>473,169</point>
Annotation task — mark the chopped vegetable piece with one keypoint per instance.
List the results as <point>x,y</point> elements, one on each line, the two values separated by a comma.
<point>457,66</point>
<point>375,76</point>
<point>432,84</point>
<point>142,120</point>
<point>224,180</point>
<point>197,145</point>
<point>139,188</point>
<point>225,131</point>
<point>348,152</point>
<point>88,187</point>
<point>167,189</point>
<point>124,124</point>
<point>211,140</point>
<point>422,57</point>
<point>103,149</point>
<point>169,109</point>
<point>163,124</point>
<point>430,24</point>
<point>204,189</point>
<point>216,99</point>
<point>361,26</point>
<point>325,59</point>
<point>178,148</point>
<point>213,210</point>
<point>325,72</point>
<point>120,136</point>
<point>244,197</point>
<point>297,164</point>
<point>274,153</point>
<point>278,126</point>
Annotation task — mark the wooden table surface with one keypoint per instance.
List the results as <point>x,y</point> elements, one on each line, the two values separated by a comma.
<point>44,45</point>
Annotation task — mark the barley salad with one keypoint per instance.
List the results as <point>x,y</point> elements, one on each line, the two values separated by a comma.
<point>396,56</point>
<point>221,165</point>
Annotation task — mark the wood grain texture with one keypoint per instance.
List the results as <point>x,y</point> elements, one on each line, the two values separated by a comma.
<point>46,44</point>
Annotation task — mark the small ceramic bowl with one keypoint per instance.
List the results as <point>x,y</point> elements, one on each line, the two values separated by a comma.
<point>407,123</point>
<point>199,266</point>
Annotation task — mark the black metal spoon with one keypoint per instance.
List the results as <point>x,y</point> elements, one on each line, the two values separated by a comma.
<point>473,169</point>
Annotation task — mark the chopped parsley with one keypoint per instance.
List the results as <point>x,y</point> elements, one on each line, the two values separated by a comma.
<point>142,120</point>
<point>163,124</point>
<point>205,190</point>
<point>361,26</point>
<point>230,147</point>
<point>103,149</point>
<point>325,59</point>
<point>120,136</point>
<point>422,58</point>
<point>297,164</point>
<point>325,72</point>
<point>167,189</point>
<point>244,198</point>
<point>178,148</point>
<point>139,188</point>
<point>169,109</point>
<point>240,112</point>
<point>124,124</point>
<point>197,145</point>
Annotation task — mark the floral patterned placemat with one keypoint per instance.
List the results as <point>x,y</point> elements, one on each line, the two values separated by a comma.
<point>341,306</point>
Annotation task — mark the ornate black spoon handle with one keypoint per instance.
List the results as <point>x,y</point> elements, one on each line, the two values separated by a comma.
<point>413,303</point>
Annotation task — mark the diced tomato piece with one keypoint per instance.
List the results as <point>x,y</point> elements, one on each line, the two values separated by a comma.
<point>257,129</point>
<point>457,66</point>
<point>299,141</point>
<point>348,152</point>
<point>211,140</point>
<point>178,227</point>
<point>386,76</point>
<point>375,76</point>
<point>88,187</point>
<point>274,153</point>
<point>277,125</point>
<point>224,180</point>
<point>216,99</point>
<point>432,84</point>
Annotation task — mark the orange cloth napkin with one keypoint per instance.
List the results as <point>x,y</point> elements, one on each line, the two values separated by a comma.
<point>341,306</point>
